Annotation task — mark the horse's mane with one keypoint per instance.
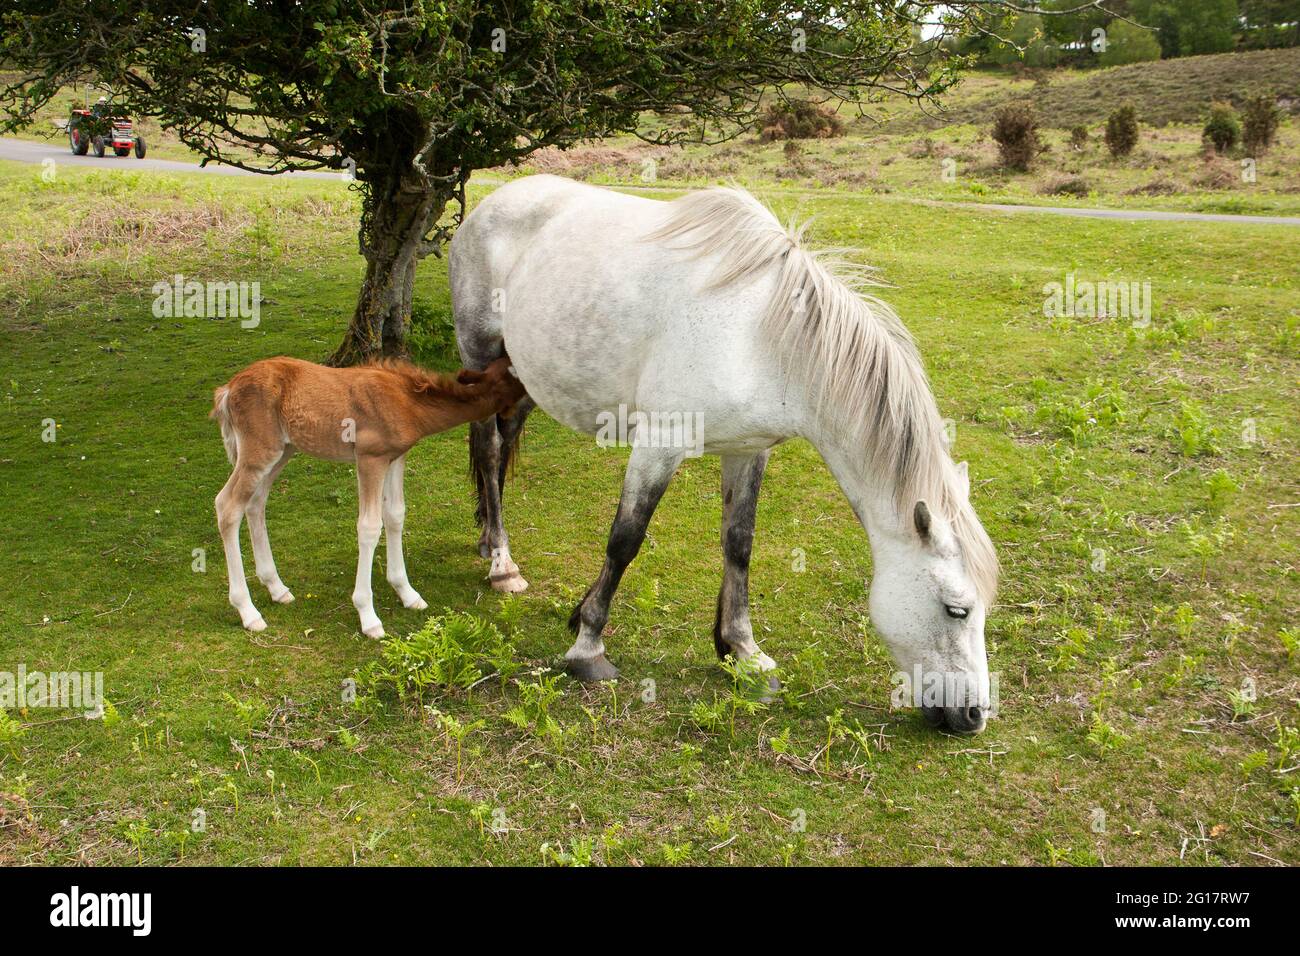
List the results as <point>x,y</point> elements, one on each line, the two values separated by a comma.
<point>857,358</point>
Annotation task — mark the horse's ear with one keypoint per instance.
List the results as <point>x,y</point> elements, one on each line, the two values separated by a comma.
<point>963,479</point>
<point>921,518</point>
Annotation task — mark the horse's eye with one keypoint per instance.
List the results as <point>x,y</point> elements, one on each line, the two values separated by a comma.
<point>957,612</point>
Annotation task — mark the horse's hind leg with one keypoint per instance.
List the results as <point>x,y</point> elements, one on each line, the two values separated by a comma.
<point>232,501</point>
<point>256,512</point>
<point>489,455</point>
<point>648,473</point>
<point>733,635</point>
<point>479,338</point>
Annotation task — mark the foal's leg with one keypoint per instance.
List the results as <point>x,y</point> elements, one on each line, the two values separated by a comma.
<point>486,459</point>
<point>648,474</point>
<point>742,476</point>
<point>394,518</point>
<point>370,490</point>
<point>231,503</point>
<point>266,572</point>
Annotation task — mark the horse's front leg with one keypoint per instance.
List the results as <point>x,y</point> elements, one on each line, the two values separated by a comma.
<point>733,635</point>
<point>648,472</point>
<point>370,491</point>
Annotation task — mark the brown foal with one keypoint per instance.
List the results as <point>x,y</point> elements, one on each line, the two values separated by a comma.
<point>371,414</point>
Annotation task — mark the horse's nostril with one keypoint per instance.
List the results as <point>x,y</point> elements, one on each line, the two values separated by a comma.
<point>974,715</point>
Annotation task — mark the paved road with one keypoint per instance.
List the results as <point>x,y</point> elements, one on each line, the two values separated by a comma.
<point>25,151</point>
<point>1130,214</point>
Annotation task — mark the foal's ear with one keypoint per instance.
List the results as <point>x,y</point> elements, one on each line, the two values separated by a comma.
<point>468,376</point>
<point>963,479</point>
<point>921,518</point>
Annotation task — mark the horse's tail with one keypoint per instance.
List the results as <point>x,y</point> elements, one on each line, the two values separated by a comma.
<point>221,412</point>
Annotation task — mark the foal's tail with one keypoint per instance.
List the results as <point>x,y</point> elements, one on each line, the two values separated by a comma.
<point>221,413</point>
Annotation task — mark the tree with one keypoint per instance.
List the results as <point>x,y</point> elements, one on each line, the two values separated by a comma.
<point>1129,43</point>
<point>416,95</point>
<point>1027,42</point>
<point>1270,23</point>
<point>1189,27</point>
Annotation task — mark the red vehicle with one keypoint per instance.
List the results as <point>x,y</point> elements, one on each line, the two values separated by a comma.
<point>102,127</point>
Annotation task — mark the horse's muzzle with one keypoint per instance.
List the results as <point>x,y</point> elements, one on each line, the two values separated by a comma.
<point>960,720</point>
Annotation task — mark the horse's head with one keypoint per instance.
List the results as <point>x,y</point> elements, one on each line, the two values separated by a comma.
<point>928,607</point>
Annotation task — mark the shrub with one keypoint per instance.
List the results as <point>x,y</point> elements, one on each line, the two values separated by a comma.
<point>1261,118</point>
<point>1015,130</point>
<point>800,119</point>
<point>1222,129</point>
<point>1216,173</point>
<point>1122,130</point>
<point>1079,137</point>
<point>1067,186</point>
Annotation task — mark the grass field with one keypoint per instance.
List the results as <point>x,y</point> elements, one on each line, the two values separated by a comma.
<point>1140,483</point>
<point>946,152</point>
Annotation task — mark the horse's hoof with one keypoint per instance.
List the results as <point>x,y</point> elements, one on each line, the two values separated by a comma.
<point>511,582</point>
<point>376,631</point>
<point>591,670</point>
<point>285,598</point>
<point>256,624</point>
<point>773,690</point>
<point>415,604</point>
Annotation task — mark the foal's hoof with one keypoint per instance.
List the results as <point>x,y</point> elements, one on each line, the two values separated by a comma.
<point>591,670</point>
<point>285,598</point>
<point>508,582</point>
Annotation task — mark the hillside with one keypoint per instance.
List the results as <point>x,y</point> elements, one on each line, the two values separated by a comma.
<point>1165,91</point>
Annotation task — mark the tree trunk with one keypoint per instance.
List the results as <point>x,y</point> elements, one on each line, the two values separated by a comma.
<point>397,214</point>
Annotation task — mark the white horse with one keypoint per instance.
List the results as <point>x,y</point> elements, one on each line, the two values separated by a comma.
<point>706,309</point>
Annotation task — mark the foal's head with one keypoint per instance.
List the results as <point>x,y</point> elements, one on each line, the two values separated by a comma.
<point>932,586</point>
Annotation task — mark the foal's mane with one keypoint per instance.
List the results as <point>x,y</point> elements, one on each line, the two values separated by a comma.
<point>856,356</point>
<point>426,384</point>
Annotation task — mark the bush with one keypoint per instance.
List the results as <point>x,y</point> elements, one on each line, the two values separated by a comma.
<point>432,337</point>
<point>800,119</point>
<point>1067,186</point>
<point>1222,129</point>
<point>1015,130</point>
<point>1122,130</point>
<point>1079,137</point>
<point>1259,128</point>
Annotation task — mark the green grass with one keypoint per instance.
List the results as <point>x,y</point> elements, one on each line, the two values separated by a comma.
<point>1120,679</point>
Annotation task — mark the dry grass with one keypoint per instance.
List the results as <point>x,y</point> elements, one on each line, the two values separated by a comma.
<point>1168,91</point>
